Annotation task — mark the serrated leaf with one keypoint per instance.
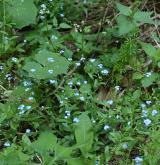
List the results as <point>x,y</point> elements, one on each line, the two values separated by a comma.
<point>84,133</point>
<point>149,49</point>
<point>125,25</point>
<point>26,140</point>
<point>144,17</point>
<point>157,55</point>
<point>124,9</point>
<point>14,157</point>
<point>86,89</point>
<point>45,142</point>
<point>23,12</point>
<point>155,36</point>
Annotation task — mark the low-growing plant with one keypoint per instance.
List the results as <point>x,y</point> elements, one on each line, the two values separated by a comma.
<point>79,88</point>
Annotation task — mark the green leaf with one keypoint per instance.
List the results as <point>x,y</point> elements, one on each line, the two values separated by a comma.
<point>13,155</point>
<point>84,133</point>
<point>62,152</point>
<point>149,49</point>
<point>23,12</point>
<point>157,55</point>
<point>26,140</point>
<point>55,22</point>
<point>45,142</point>
<point>148,81</point>
<point>80,161</point>
<point>65,26</point>
<point>144,17</point>
<point>38,70</point>
<point>137,75</point>
<point>45,61</point>
<point>155,36</point>
<point>86,89</point>
<point>76,161</point>
<point>125,25</point>
<point>6,112</point>
<point>124,9</point>
<point>107,154</point>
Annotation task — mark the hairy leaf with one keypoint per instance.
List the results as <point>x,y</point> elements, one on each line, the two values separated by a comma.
<point>84,134</point>
<point>45,142</point>
<point>148,81</point>
<point>125,25</point>
<point>80,161</point>
<point>46,65</point>
<point>124,9</point>
<point>23,12</point>
<point>151,51</point>
<point>144,17</point>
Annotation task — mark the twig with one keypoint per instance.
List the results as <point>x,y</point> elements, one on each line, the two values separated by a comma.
<point>65,77</point>
<point>101,23</point>
<point>39,158</point>
<point>3,88</point>
<point>4,22</point>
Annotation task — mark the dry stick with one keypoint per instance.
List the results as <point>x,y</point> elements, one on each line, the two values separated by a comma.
<point>63,81</point>
<point>144,4</point>
<point>65,77</point>
<point>101,23</point>
<point>3,88</point>
<point>39,158</point>
<point>156,27</point>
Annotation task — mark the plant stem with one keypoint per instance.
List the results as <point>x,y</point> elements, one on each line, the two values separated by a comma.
<point>4,22</point>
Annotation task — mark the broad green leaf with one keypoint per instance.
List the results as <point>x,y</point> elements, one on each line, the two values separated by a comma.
<point>76,161</point>
<point>6,112</point>
<point>62,152</point>
<point>46,61</point>
<point>3,117</point>
<point>144,17</point>
<point>23,12</point>
<point>124,9</point>
<point>107,154</point>
<point>38,73</point>
<point>157,55</point>
<point>45,142</point>
<point>80,161</point>
<point>125,25</point>
<point>137,75</point>
<point>55,22</point>
<point>155,36</point>
<point>14,156</point>
<point>84,133</point>
<point>150,50</point>
<point>65,26</point>
<point>86,89</point>
<point>148,81</point>
<point>26,140</point>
